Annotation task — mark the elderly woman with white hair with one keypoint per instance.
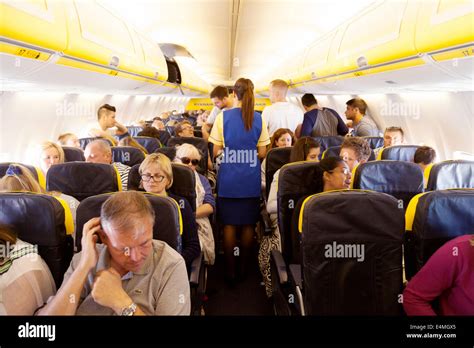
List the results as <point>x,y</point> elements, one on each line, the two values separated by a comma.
<point>205,201</point>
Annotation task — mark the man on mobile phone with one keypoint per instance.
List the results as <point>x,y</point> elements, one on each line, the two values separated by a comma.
<point>130,273</point>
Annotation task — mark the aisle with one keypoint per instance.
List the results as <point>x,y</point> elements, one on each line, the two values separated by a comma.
<point>247,298</point>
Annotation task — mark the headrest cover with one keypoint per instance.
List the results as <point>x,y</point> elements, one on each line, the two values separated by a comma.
<point>127,155</point>
<point>81,179</point>
<point>451,174</point>
<point>399,153</point>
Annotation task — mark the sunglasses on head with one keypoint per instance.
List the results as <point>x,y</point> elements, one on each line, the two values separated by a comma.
<point>187,160</point>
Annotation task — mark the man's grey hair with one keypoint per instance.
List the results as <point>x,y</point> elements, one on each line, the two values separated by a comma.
<point>103,145</point>
<point>126,211</point>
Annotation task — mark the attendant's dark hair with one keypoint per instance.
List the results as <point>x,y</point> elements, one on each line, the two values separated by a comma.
<point>243,88</point>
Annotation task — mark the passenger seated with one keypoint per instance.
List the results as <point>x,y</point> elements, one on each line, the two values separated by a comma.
<point>157,176</point>
<point>19,179</point>
<point>130,273</point>
<point>336,174</point>
<point>283,137</point>
<point>184,129</point>
<point>69,139</point>
<point>129,141</point>
<point>447,276</point>
<point>355,150</point>
<point>158,124</point>
<point>363,125</point>
<point>424,156</point>
<point>392,136</point>
<point>205,202</point>
<point>25,279</point>
<point>51,153</point>
<point>99,151</point>
<point>305,149</point>
<point>107,121</point>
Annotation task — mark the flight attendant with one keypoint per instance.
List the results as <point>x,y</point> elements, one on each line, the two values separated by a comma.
<point>242,135</point>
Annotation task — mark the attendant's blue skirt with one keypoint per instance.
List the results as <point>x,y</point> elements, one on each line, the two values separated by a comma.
<point>238,211</point>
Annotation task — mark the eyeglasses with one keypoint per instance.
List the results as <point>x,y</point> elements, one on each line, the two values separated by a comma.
<point>187,160</point>
<point>148,177</point>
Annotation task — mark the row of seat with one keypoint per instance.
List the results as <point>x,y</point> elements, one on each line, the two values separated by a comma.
<point>348,247</point>
<point>130,155</point>
<point>45,221</point>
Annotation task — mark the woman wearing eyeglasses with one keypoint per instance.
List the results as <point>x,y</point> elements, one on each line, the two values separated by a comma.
<point>336,174</point>
<point>156,177</point>
<point>205,203</point>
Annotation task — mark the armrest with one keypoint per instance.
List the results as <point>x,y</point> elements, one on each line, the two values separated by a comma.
<point>266,222</point>
<point>195,270</point>
<point>295,273</point>
<point>280,265</point>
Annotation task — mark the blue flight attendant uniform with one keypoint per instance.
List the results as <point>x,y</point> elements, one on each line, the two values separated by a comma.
<point>238,179</point>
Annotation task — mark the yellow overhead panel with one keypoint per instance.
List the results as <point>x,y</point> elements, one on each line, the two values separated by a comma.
<point>316,62</point>
<point>200,103</point>
<point>260,103</point>
<point>463,52</point>
<point>381,34</point>
<point>97,35</point>
<point>155,63</point>
<point>207,104</point>
<point>444,23</point>
<point>39,23</point>
<point>23,52</point>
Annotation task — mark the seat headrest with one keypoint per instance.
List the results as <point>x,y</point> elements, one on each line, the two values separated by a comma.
<point>127,155</point>
<point>184,182</point>
<point>328,141</point>
<point>199,143</point>
<point>72,154</point>
<point>441,214</point>
<point>398,153</point>
<point>37,172</point>
<point>400,179</point>
<point>168,221</point>
<point>134,130</point>
<point>451,174</point>
<point>149,143</point>
<point>41,220</point>
<point>275,159</point>
<point>360,215</point>
<point>84,141</point>
<point>169,152</point>
<point>82,179</point>
<point>374,142</point>
<point>300,178</point>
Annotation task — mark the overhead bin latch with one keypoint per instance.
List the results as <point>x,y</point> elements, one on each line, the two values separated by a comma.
<point>362,62</point>
<point>114,61</point>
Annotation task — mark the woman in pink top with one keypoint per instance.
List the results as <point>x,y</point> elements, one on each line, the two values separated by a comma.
<point>448,276</point>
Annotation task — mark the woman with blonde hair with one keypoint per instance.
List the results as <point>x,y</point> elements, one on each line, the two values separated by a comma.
<point>51,153</point>
<point>205,203</point>
<point>19,178</point>
<point>156,177</point>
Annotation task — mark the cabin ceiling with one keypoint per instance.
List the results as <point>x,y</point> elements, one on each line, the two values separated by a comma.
<point>236,38</point>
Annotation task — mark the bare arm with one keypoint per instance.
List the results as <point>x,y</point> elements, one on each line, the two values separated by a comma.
<point>262,151</point>
<point>204,210</point>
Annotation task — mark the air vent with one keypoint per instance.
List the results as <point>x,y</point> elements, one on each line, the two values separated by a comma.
<point>391,82</point>
<point>114,61</point>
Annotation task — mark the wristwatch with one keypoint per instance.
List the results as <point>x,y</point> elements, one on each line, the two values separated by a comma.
<point>130,310</point>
